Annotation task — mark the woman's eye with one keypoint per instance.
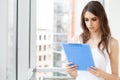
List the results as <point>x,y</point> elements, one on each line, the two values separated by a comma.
<point>94,19</point>
<point>86,20</point>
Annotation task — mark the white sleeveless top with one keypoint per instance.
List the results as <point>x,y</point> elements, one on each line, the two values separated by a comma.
<point>101,61</point>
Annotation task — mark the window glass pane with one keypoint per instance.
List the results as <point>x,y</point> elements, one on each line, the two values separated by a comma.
<point>53,24</point>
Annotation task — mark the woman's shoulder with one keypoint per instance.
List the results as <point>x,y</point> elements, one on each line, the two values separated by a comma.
<point>113,43</point>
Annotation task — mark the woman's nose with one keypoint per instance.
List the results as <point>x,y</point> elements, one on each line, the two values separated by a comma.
<point>89,22</point>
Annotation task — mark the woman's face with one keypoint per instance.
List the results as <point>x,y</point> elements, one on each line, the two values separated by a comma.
<point>92,22</point>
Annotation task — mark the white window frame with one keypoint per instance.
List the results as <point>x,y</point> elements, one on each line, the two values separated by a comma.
<point>8,40</point>
<point>26,39</point>
<point>3,37</point>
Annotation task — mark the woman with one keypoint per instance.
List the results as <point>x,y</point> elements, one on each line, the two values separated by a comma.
<point>96,33</point>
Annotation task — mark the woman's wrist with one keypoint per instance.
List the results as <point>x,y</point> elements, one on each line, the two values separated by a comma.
<point>73,74</point>
<point>108,76</point>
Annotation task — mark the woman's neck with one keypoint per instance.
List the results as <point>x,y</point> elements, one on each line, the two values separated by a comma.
<point>95,36</point>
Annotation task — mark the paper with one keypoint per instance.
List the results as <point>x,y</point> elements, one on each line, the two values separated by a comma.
<point>79,54</point>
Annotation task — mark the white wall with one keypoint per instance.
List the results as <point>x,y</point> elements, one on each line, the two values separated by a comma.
<point>114,16</point>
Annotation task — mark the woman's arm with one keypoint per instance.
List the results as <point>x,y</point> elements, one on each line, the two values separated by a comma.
<point>71,70</point>
<point>114,51</point>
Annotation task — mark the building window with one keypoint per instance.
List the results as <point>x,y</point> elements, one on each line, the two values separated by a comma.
<point>39,58</point>
<point>39,47</point>
<point>40,66</point>
<point>44,37</point>
<point>44,47</point>
<point>44,57</point>
<point>39,37</point>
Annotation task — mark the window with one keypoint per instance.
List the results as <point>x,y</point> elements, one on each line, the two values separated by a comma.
<point>44,47</point>
<point>44,57</point>
<point>40,48</point>
<point>53,27</point>
<point>39,37</point>
<point>44,37</point>
<point>39,58</point>
<point>40,66</point>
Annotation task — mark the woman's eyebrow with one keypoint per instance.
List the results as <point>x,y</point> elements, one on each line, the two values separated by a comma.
<point>94,17</point>
<point>91,17</point>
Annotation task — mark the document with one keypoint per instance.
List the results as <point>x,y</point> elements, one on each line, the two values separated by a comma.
<point>79,54</point>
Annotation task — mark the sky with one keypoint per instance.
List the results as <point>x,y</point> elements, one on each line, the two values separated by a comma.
<point>45,14</point>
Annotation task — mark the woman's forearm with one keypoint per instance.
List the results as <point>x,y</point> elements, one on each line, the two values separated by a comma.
<point>73,74</point>
<point>108,76</point>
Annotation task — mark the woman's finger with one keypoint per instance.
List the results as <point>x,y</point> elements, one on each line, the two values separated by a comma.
<point>95,71</point>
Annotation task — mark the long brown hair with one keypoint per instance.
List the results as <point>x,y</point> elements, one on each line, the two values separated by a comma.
<point>97,9</point>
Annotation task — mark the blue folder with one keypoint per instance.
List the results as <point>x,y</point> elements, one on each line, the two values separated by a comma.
<point>79,54</point>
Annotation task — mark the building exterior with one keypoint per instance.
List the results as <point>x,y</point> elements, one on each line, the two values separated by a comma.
<point>49,40</point>
<point>44,51</point>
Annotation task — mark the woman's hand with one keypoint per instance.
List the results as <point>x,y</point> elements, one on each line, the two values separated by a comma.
<point>102,74</point>
<point>96,71</point>
<point>71,69</point>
